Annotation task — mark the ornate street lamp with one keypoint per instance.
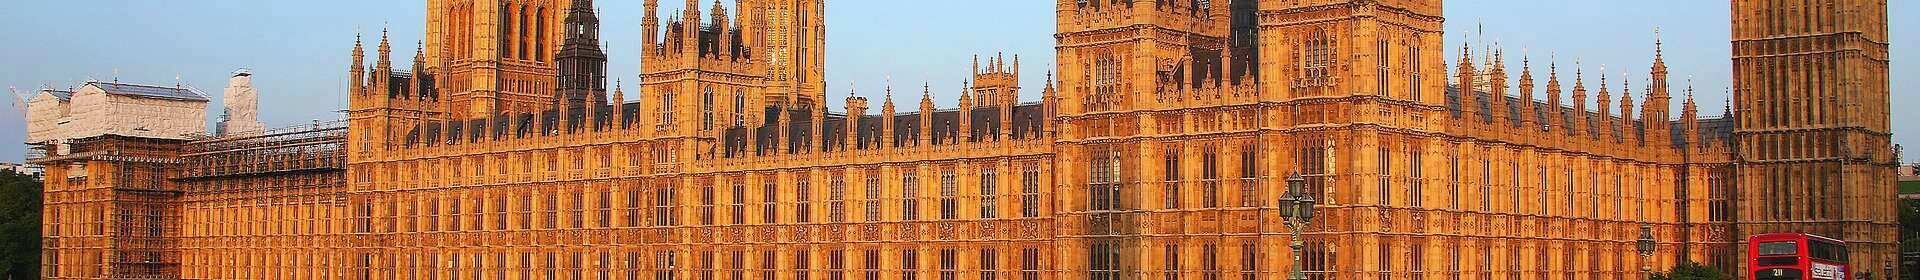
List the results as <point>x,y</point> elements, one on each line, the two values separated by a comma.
<point>1297,209</point>
<point>1646,247</point>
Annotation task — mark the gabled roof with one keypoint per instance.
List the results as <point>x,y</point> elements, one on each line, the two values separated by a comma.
<point>146,91</point>
<point>59,94</point>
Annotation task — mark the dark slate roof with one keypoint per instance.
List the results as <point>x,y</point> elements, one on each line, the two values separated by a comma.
<point>61,94</point>
<point>906,129</point>
<point>171,93</point>
<point>1029,120</point>
<point>1712,130</point>
<point>945,127</point>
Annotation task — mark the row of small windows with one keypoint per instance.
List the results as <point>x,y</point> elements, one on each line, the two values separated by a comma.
<point>493,212</point>
<point>1105,187</point>
<point>873,264</point>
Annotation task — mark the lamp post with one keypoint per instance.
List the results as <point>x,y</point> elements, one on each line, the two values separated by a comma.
<point>1646,247</point>
<point>1297,209</point>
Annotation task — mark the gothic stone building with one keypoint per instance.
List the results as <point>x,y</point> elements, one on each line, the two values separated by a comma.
<point>1159,152</point>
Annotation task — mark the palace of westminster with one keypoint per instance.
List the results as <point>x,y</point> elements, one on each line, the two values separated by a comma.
<point>1159,151</point>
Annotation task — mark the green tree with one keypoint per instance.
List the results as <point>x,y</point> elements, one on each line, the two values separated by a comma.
<point>19,226</point>
<point>1691,271</point>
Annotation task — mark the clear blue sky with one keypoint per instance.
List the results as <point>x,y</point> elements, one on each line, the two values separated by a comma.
<point>299,49</point>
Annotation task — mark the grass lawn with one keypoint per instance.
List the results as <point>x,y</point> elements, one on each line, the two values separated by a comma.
<point>1910,187</point>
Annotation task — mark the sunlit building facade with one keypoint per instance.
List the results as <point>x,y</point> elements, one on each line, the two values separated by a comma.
<point>1157,151</point>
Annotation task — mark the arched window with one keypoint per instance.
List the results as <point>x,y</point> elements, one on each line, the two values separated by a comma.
<point>706,110</point>
<point>666,110</point>
<point>739,108</point>
<point>540,36</point>
<point>1316,58</point>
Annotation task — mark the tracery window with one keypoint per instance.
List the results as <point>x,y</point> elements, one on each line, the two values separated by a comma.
<point>989,264</point>
<point>706,203</point>
<point>1029,264</point>
<point>836,199</point>
<point>663,204</point>
<point>666,110</point>
<point>770,199</point>
<point>1170,184</point>
<point>1316,57</point>
<point>949,264</point>
<point>909,195</point>
<point>739,109</point>
<point>1249,175</point>
<point>949,191</point>
<point>739,201</point>
<point>989,201</point>
<point>1415,170</point>
<point>1210,178</point>
<point>706,110</point>
<point>1104,189</point>
<point>1030,191</point>
<point>802,198</point>
<point>873,195</point>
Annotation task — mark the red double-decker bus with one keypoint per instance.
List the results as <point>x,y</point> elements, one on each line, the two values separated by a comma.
<point>1795,256</point>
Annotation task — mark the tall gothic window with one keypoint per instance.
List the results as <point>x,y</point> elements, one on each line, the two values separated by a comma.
<point>706,203</point>
<point>873,195</point>
<point>1104,188</point>
<point>1249,172</point>
<point>666,110</point>
<point>1210,178</point>
<point>1413,64</point>
<point>663,204</point>
<point>770,199</point>
<point>1386,174</point>
<point>837,198</point>
<point>1030,191</point>
<point>989,200</point>
<point>706,110</point>
<point>1170,185</point>
<point>802,198</point>
<point>1316,58</point>
<point>739,201</point>
<point>909,195</point>
<point>949,192</point>
<point>739,108</point>
<point>1417,173</point>
<point>1486,184</point>
<point>1386,89</point>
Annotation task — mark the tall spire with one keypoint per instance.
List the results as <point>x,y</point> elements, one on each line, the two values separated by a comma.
<point>385,63</point>
<point>358,71</point>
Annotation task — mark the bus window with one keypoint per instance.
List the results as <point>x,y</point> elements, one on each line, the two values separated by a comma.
<point>1826,251</point>
<point>1779,248</point>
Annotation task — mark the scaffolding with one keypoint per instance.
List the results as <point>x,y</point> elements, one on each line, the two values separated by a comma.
<point>307,156</point>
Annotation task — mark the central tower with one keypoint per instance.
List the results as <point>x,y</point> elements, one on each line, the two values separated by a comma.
<point>493,55</point>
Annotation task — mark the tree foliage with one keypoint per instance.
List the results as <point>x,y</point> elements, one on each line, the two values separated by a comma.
<point>1691,271</point>
<point>19,226</point>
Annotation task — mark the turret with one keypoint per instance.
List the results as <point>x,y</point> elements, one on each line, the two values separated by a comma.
<point>650,28</point>
<point>1605,103</point>
<point>1554,106</point>
<point>1497,87</point>
<point>1469,99</point>
<point>966,113</point>
<point>1690,117</point>
<point>383,67</point>
<point>357,73</point>
<point>1526,91</point>
<point>1658,99</point>
<point>1627,126</point>
<point>1579,100</point>
<point>856,107</point>
<point>886,117</point>
<point>926,113</point>
<point>690,28</point>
